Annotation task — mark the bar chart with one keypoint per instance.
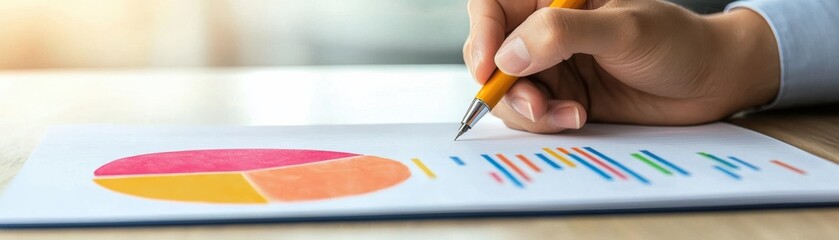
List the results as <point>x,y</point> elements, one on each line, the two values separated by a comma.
<point>518,169</point>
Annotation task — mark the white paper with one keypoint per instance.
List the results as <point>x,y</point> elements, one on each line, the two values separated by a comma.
<point>55,186</point>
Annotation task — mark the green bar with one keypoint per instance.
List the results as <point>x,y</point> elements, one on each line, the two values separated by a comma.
<point>651,163</point>
<point>715,158</point>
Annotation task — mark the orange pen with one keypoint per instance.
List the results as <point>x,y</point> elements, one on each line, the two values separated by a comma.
<point>498,84</point>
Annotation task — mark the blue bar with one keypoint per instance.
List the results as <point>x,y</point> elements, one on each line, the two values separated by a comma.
<point>715,158</point>
<point>665,162</point>
<point>503,170</point>
<point>596,170</point>
<point>744,163</point>
<point>729,173</point>
<point>616,163</point>
<point>548,161</point>
<point>457,160</point>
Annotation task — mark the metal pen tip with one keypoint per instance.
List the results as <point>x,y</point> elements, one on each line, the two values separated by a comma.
<point>476,110</point>
<point>461,131</point>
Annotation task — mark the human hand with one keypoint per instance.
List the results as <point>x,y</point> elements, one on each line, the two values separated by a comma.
<point>621,61</point>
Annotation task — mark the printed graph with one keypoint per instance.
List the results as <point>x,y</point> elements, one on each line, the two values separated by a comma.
<point>260,176</point>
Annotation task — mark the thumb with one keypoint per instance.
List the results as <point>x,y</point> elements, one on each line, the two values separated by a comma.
<point>551,35</point>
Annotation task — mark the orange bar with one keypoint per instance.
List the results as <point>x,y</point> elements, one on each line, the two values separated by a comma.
<point>529,163</point>
<point>790,167</point>
<point>513,166</point>
<point>601,163</point>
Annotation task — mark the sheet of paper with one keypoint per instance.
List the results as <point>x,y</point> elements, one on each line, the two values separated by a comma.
<point>113,175</point>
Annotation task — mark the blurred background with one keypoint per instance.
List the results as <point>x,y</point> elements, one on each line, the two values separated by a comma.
<point>39,34</point>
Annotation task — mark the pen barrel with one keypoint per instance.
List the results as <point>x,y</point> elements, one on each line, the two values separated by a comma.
<point>495,88</point>
<point>499,82</point>
<point>567,4</point>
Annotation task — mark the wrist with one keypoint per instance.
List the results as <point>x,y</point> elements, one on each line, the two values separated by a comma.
<point>748,69</point>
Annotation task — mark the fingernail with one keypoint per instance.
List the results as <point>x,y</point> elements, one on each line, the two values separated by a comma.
<point>566,117</point>
<point>513,56</point>
<point>524,108</point>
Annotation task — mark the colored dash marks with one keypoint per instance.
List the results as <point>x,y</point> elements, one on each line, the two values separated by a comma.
<point>598,162</point>
<point>424,168</point>
<point>719,160</point>
<point>548,161</point>
<point>530,164</point>
<point>457,161</point>
<point>513,166</point>
<point>652,164</point>
<point>744,163</point>
<point>523,170</point>
<point>586,164</point>
<point>727,172</point>
<point>561,158</point>
<point>495,176</point>
<point>788,167</point>
<point>729,166</point>
<point>503,170</point>
<point>617,164</point>
<point>669,164</point>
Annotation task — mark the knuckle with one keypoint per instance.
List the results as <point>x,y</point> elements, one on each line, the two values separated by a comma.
<point>467,48</point>
<point>470,6</point>
<point>633,23</point>
<point>551,20</point>
<point>556,26</point>
<point>618,3</point>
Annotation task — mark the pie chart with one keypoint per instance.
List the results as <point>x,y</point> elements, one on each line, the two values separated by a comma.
<point>250,176</point>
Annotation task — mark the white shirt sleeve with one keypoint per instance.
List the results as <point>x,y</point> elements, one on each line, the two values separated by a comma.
<point>807,32</point>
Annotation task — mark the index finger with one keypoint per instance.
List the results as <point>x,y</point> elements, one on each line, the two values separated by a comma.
<point>490,22</point>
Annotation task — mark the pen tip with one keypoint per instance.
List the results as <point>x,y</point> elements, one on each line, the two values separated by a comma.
<point>463,129</point>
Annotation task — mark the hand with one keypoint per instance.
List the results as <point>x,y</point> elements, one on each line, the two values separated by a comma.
<point>621,61</point>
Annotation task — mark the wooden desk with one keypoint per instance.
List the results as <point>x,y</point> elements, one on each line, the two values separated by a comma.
<point>31,101</point>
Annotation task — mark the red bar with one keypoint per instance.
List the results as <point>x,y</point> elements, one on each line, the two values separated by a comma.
<point>513,166</point>
<point>496,177</point>
<point>602,164</point>
<point>529,163</point>
<point>790,167</point>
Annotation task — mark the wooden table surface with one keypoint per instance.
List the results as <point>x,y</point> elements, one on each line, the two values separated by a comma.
<point>32,101</point>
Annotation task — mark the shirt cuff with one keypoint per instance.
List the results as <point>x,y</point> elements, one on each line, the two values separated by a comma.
<point>807,47</point>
